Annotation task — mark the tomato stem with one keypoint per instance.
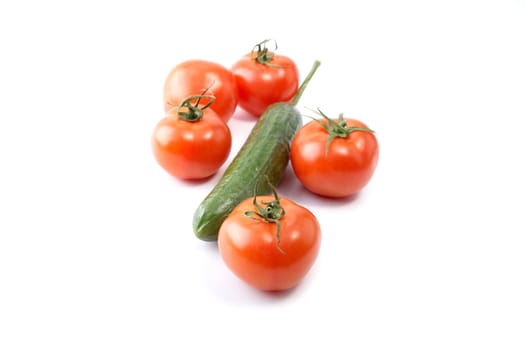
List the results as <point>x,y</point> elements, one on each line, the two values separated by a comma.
<point>263,56</point>
<point>193,112</point>
<point>305,82</point>
<point>337,128</point>
<point>270,212</point>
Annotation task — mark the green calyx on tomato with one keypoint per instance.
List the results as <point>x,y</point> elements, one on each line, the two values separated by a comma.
<point>337,128</point>
<point>270,212</point>
<point>193,112</point>
<point>262,55</point>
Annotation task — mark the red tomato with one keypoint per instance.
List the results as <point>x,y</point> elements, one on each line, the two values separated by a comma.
<point>336,158</point>
<point>264,78</point>
<point>192,77</point>
<point>267,255</point>
<point>191,149</point>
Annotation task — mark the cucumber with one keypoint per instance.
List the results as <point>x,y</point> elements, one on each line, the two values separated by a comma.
<point>264,154</point>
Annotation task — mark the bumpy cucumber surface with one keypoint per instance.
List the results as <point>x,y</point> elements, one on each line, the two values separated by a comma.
<point>265,153</point>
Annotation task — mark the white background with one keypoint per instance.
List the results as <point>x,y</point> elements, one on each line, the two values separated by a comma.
<point>96,245</point>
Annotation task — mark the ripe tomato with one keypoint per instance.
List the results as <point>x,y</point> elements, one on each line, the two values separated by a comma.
<point>334,157</point>
<point>270,254</point>
<point>191,141</point>
<point>192,77</point>
<point>264,78</point>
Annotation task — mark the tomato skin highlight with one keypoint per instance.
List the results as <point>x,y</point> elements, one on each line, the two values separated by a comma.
<point>260,85</point>
<point>192,77</point>
<point>191,150</point>
<point>345,170</point>
<point>250,249</point>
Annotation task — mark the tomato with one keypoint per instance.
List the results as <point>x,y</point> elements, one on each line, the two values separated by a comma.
<point>191,142</point>
<point>272,253</point>
<point>334,157</point>
<point>192,77</point>
<point>264,78</point>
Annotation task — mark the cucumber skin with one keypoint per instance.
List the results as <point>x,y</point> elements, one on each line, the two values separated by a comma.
<point>265,152</point>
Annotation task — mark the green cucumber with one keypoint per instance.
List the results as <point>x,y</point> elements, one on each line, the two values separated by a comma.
<point>264,154</point>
